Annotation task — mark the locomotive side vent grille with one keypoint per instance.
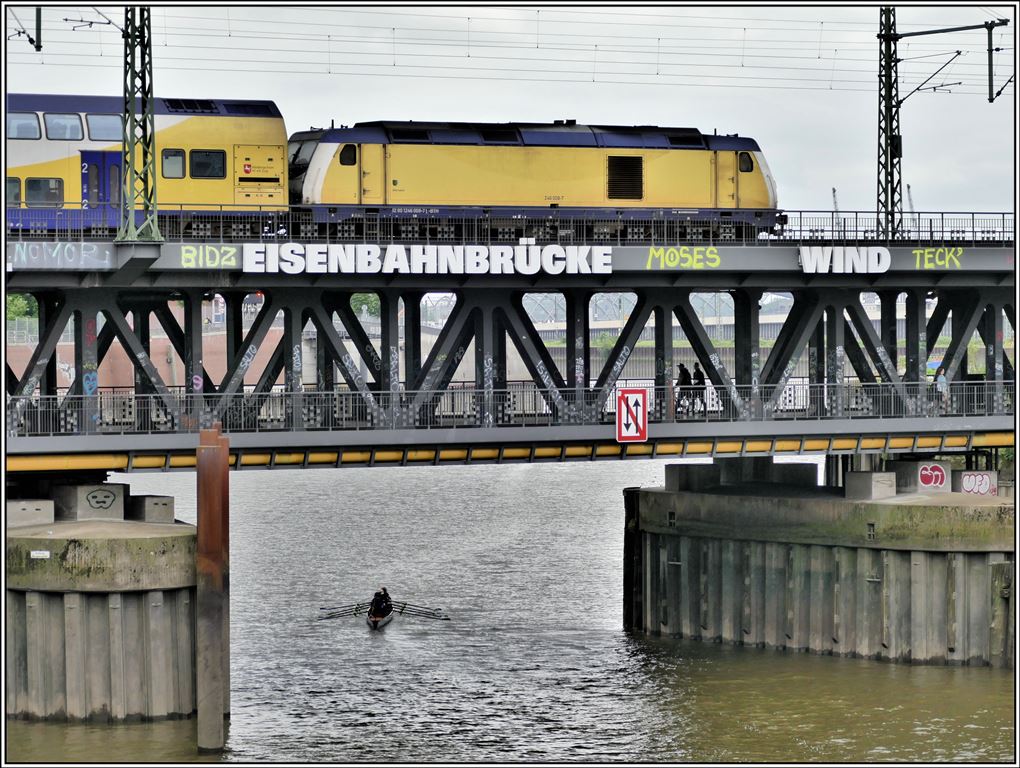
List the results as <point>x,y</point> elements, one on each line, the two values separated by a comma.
<point>255,110</point>
<point>626,178</point>
<point>191,105</point>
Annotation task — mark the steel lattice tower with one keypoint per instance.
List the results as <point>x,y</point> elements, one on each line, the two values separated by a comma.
<point>890,147</point>
<point>139,131</point>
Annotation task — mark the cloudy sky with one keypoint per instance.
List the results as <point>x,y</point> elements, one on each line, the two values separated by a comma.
<point>801,80</point>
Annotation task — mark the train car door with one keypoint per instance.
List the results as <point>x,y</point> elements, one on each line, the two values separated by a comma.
<point>101,187</point>
<point>373,174</point>
<point>725,179</point>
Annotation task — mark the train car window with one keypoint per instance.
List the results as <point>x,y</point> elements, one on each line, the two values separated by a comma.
<point>746,163</point>
<point>304,154</point>
<point>208,164</point>
<point>626,178</point>
<point>105,127</point>
<point>92,193</point>
<point>173,163</point>
<point>23,125</point>
<point>44,193</point>
<point>114,193</point>
<point>13,192</point>
<point>63,127</point>
<point>348,155</point>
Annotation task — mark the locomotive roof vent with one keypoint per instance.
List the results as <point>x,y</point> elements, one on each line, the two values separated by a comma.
<point>202,106</point>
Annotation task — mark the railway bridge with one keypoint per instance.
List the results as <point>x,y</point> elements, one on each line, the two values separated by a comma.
<point>303,379</point>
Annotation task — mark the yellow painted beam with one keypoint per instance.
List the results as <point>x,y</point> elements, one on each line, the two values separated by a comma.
<point>119,461</point>
<point>993,440</point>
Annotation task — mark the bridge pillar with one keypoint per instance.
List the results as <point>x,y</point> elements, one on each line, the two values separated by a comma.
<point>579,342</point>
<point>412,337</point>
<point>140,320</point>
<point>485,375</point>
<point>664,401</point>
<point>86,365</point>
<point>389,346</point>
<point>194,377</point>
<point>992,334</point>
<point>747,345</point>
<point>835,358</point>
<point>915,374</point>
<point>888,325</point>
<point>816,368</point>
<point>291,345</point>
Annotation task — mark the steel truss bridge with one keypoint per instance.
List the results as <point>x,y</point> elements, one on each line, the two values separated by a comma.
<point>398,402</point>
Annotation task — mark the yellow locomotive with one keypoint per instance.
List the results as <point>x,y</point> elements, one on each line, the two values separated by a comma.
<point>451,167</point>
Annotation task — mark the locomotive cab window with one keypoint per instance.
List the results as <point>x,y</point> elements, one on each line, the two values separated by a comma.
<point>63,127</point>
<point>105,127</point>
<point>348,155</point>
<point>173,163</point>
<point>13,192</point>
<point>23,125</point>
<point>626,178</point>
<point>208,164</point>
<point>44,193</point>
<point>745,161</point>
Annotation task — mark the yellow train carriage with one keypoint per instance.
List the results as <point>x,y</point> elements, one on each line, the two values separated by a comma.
<point>524,166</point>
<point>64,152</point>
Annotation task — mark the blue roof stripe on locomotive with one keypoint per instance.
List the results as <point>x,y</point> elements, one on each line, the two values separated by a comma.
<point>43,102</point>
<point>548,135</point>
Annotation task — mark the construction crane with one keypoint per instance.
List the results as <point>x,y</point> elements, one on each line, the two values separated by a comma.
<point>910,201</point>
<point>835,202</point>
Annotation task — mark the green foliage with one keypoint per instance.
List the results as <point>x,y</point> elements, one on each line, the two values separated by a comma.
<point>369,300</point>
<point>21,305</point>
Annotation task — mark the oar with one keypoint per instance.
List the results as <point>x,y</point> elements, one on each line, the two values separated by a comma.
<point>341,607</point>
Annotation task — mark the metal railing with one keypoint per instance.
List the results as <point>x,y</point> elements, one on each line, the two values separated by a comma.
<point>183,222</point>
<point>519,405</point>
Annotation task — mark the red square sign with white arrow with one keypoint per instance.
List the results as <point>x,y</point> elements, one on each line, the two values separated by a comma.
<point>631,415</point>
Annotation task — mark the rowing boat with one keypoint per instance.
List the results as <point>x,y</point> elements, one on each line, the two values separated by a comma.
<point>378,622</point>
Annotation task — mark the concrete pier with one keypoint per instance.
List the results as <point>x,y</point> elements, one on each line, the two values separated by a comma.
<point>915,577</point>
<point>100,617</point>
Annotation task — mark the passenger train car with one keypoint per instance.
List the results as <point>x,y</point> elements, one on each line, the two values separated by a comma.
<point>64,154</point>
<point>233,156</point>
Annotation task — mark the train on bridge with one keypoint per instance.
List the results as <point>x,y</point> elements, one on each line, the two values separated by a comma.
<point>234,157</point>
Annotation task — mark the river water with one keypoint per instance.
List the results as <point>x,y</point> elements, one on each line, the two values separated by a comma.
<point>533,666</point>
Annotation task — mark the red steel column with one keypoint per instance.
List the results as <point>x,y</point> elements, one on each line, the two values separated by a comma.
<point>209,567</point>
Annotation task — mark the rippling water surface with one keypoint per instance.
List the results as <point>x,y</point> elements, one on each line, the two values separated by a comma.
<point>533,666</point>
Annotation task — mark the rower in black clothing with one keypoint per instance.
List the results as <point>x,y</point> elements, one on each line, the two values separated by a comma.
<point>381,603</point>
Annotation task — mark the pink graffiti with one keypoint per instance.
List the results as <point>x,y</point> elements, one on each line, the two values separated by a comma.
<point>932,476</point>
<point>196,383</point>
<point>90,331</point>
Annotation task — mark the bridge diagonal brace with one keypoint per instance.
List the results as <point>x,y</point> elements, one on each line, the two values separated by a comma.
<point>875,348</point>
<point>233,380</point>
<point>537,360</point>
<point>707,355</point>
<point>445,357</point>
<point>858,359</point>
<point>963,329</point>
<point>325,329</point>
<point>794,336</point>
<point>177,338</point>
<point>341,305</point>
<point>936,323</point>
<point>621,351</point>
<point>141,359</point>
<point>12,379</point>
<point>43,352</point>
